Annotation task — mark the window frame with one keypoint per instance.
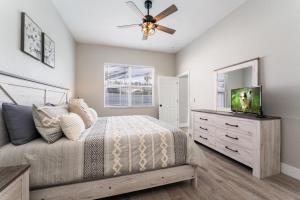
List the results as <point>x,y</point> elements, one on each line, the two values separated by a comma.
<point>129,86</point>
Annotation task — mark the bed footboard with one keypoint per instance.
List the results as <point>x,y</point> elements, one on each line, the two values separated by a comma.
<point>117,185</point>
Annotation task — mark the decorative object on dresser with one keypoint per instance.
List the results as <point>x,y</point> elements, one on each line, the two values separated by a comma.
<point>31,37</point>
<point>14,183</point>
<point>48,50</point>
<point>252,141</point>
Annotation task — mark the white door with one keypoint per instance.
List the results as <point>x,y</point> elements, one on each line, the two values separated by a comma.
<point>168,99</point>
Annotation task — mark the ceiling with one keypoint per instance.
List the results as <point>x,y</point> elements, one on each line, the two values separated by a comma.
<point>95,21</point>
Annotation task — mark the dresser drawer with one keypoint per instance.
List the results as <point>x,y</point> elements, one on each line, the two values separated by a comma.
<point>234,151</point>
<point>203,118</point>
<point>205,139</point>
<point>243,140</point>
<point>204,128</point>
<point>235,124</point>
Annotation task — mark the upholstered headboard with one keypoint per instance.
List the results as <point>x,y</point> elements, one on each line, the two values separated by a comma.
<point>24,91</point>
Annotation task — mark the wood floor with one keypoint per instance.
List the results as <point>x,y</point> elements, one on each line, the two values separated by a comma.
<point>224,179</point>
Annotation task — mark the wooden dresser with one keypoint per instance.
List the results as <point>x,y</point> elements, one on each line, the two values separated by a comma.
<point>14,183</point>
<point>252,141</point>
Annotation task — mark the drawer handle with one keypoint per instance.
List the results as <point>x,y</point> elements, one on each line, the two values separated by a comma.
<point>203,128</point>
<point>203,138</point>
<point>234,138</point>
<point>227,124</point>
<point>233,150</point>
<point>204,119</point>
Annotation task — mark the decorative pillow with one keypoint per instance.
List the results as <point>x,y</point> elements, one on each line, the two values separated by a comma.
<point>79,107</point>
<point>94,114</point>
<point>72,126</point>
<point>19,123</point>
<point>46,119</point>
<point>4,138</point>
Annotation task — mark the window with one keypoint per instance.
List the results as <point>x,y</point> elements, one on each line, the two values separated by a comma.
<point>128,86</point>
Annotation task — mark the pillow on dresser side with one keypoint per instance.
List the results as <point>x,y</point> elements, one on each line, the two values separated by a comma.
<point>46,119</point>
<point>19,122</point>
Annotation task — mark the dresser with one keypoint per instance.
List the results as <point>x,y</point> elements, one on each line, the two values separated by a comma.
<point>14,183</point>
<point>253,141</point>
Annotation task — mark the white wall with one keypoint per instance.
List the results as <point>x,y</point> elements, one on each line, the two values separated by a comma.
<point>183,100</point>
<point>269,29</point>
<point>90,69</point>
<point>14,61</point>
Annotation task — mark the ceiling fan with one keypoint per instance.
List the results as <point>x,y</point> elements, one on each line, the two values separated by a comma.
<point>149,23</point>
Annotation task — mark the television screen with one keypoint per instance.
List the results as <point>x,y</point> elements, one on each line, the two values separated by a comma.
<point>246,100</point>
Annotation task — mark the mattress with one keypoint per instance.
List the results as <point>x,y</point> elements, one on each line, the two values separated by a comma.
<point>113,146</point>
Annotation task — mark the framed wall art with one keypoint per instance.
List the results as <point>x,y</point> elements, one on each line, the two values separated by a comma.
<point>31,37</point>
<point>48,50</point>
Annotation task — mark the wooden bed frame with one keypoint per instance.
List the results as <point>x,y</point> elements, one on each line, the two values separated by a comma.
<point>117,185</point>
<point>21,90</point>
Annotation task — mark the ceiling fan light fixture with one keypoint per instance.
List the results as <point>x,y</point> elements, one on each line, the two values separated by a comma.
<point>149,23</point>
<point>148,28</point>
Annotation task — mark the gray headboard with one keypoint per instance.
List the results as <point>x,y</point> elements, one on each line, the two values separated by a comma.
<point>25,91</point>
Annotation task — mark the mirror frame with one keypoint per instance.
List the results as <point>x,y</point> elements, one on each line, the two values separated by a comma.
<point>253,63</point>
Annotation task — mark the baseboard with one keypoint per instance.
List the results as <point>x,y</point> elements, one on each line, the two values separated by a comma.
<point>290,171</point>
<point>183,125</point>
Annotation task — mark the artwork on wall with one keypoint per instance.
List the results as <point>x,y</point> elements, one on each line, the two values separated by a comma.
<point>31,37</point>
<point>35,42</point>
<point>48,49</point>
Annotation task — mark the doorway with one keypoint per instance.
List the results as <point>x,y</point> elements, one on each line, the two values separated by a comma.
<point>184,113</point>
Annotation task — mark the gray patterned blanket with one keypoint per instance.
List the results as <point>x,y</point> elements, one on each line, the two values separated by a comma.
<point>114,146</point>
<point>123,145</point>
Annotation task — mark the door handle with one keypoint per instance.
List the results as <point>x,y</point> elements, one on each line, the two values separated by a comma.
<point>160,105</point>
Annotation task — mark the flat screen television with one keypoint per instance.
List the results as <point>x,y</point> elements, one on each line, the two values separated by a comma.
<point>247,100</point>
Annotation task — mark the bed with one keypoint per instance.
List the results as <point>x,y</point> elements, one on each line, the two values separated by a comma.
<point>116,155</point>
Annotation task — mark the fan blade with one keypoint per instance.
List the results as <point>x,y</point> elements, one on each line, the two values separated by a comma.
<point>135,9</point>
<point>166,13</point>
<point>129,26</point>
<point>165,29</point>
<point>145,37</point>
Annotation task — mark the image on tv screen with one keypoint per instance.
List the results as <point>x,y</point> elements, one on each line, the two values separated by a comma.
<point>246,100</point>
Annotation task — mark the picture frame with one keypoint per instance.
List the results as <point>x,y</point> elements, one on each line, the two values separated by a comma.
<point>31,37</point>
<point>48,50</point>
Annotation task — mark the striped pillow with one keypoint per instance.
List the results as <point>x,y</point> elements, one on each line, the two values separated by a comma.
<point>46,119</point>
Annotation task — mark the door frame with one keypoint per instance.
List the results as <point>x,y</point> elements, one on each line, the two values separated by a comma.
<point>187,74</point>
<point>177,96</point>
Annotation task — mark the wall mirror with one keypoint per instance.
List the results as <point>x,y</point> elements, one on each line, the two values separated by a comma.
<point>235,76</point>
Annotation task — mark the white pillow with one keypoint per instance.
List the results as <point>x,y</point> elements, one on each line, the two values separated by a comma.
<point>79,107</point>
<point>93,113</point>
<point>72,126</point>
